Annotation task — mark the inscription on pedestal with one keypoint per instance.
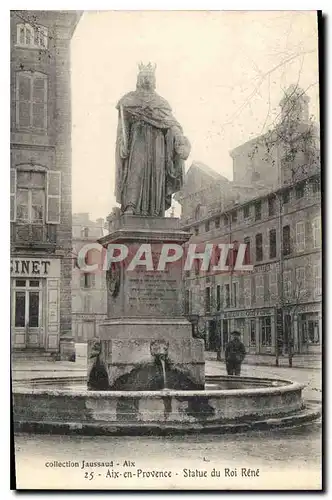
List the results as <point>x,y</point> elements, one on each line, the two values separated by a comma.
<point>156,292</point>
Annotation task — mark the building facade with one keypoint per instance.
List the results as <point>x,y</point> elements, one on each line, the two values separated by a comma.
<point>277,305</point>
<point>89,300</point>
<point>41,260</point>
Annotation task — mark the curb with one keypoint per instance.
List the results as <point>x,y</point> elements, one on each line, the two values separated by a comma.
<point>310,413</point>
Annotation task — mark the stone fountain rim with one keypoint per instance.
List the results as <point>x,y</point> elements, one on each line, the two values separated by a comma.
<point>289,386</point>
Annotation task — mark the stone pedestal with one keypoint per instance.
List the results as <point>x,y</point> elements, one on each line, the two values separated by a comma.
<point>145,305</point>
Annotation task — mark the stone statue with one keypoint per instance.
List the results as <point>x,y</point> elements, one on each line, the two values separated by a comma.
<point>150,150</point>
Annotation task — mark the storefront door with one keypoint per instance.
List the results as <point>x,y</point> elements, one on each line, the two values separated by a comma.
<point>309,333</point>
<point>27,316</point>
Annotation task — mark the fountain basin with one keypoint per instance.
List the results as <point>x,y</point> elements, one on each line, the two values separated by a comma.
<point>62,406</point>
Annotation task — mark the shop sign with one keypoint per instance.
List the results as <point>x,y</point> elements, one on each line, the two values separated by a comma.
<point>275,266</point>
<point>308,308</point>
<point>35,268</point>
<point>247,313</point>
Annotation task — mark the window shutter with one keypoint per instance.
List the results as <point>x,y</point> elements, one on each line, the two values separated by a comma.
<point>53,197</point>
<point>13,194</point>
<point>53,319</point>
<point>23,99</point>
<point>39,102</point>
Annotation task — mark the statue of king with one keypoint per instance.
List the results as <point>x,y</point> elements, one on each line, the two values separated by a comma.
<point>150,150</point>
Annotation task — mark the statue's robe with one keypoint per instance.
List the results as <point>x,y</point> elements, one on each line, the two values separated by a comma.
<point>152,170</point>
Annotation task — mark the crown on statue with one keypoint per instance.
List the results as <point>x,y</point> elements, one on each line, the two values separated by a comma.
<point>147,68</point>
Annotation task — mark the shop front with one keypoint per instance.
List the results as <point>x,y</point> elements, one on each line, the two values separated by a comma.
<point>35,303</point>
<point>309,329</point>
<point>257,327</point>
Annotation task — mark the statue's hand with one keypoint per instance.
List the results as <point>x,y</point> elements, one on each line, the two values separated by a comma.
<point>182,147</point>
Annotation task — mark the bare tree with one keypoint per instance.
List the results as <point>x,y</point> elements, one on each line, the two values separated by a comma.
<point>294,139</point>
<point>291,301</point>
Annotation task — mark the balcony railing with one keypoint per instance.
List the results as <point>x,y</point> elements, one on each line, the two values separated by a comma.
<point>33,235</point>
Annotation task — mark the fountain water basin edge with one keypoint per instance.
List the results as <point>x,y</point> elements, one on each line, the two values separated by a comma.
<point>67,406</point>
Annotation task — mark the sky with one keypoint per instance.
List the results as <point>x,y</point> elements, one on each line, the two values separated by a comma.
<point>223,73</point>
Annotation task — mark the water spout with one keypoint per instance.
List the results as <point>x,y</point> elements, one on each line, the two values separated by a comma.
<point>159,350</point>
<point>162,361</point>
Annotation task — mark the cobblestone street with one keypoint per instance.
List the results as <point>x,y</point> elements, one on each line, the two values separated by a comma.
<point>291,454</point>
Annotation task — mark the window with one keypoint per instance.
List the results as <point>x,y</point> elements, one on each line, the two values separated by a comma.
<point>217,222</point>
<point>252,339</point>
<point>286,243</point>
<point>273,284</point>
<point>246,212</point>
<point>313,332</point>
<point>265,327</point>
<point>309,328</point>
<point>300,283</point>
<point>235,296</point>
<point>207,226</point>
<point>258,210</point>
<point>232,254</point>
<point>247,292</point>
<point>273,243</point>
<point>317,237</point>
<point>218,297</point>
<point>225,220</point>
<point>317,280</point>
<point>299,191</point>
<point>30,197</point>
<point>31,101</point>
<point>247,254</point>
<point>285,196</point>
<point>259,247</point>
<point>227,296</point>
<point>28,36</point>
<point>300,236</point>
<point>234,216</point>
<point>272,206</point>
<point>207,299</point>
<point>27,303</point>
<point>198,212</point>
<point>196,231</point>
<point>87,280</point>
<point>259,281</point>
<point>287,283</point>
<point>85,232</point>
<point>20,309</point>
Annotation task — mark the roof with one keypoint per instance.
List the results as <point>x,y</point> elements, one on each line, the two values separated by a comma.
<point>207,170</point>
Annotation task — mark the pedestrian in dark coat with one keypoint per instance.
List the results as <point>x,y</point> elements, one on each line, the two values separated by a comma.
<point>234,354</point>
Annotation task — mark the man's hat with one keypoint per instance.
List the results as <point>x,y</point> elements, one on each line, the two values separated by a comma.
<point>238,334</point>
